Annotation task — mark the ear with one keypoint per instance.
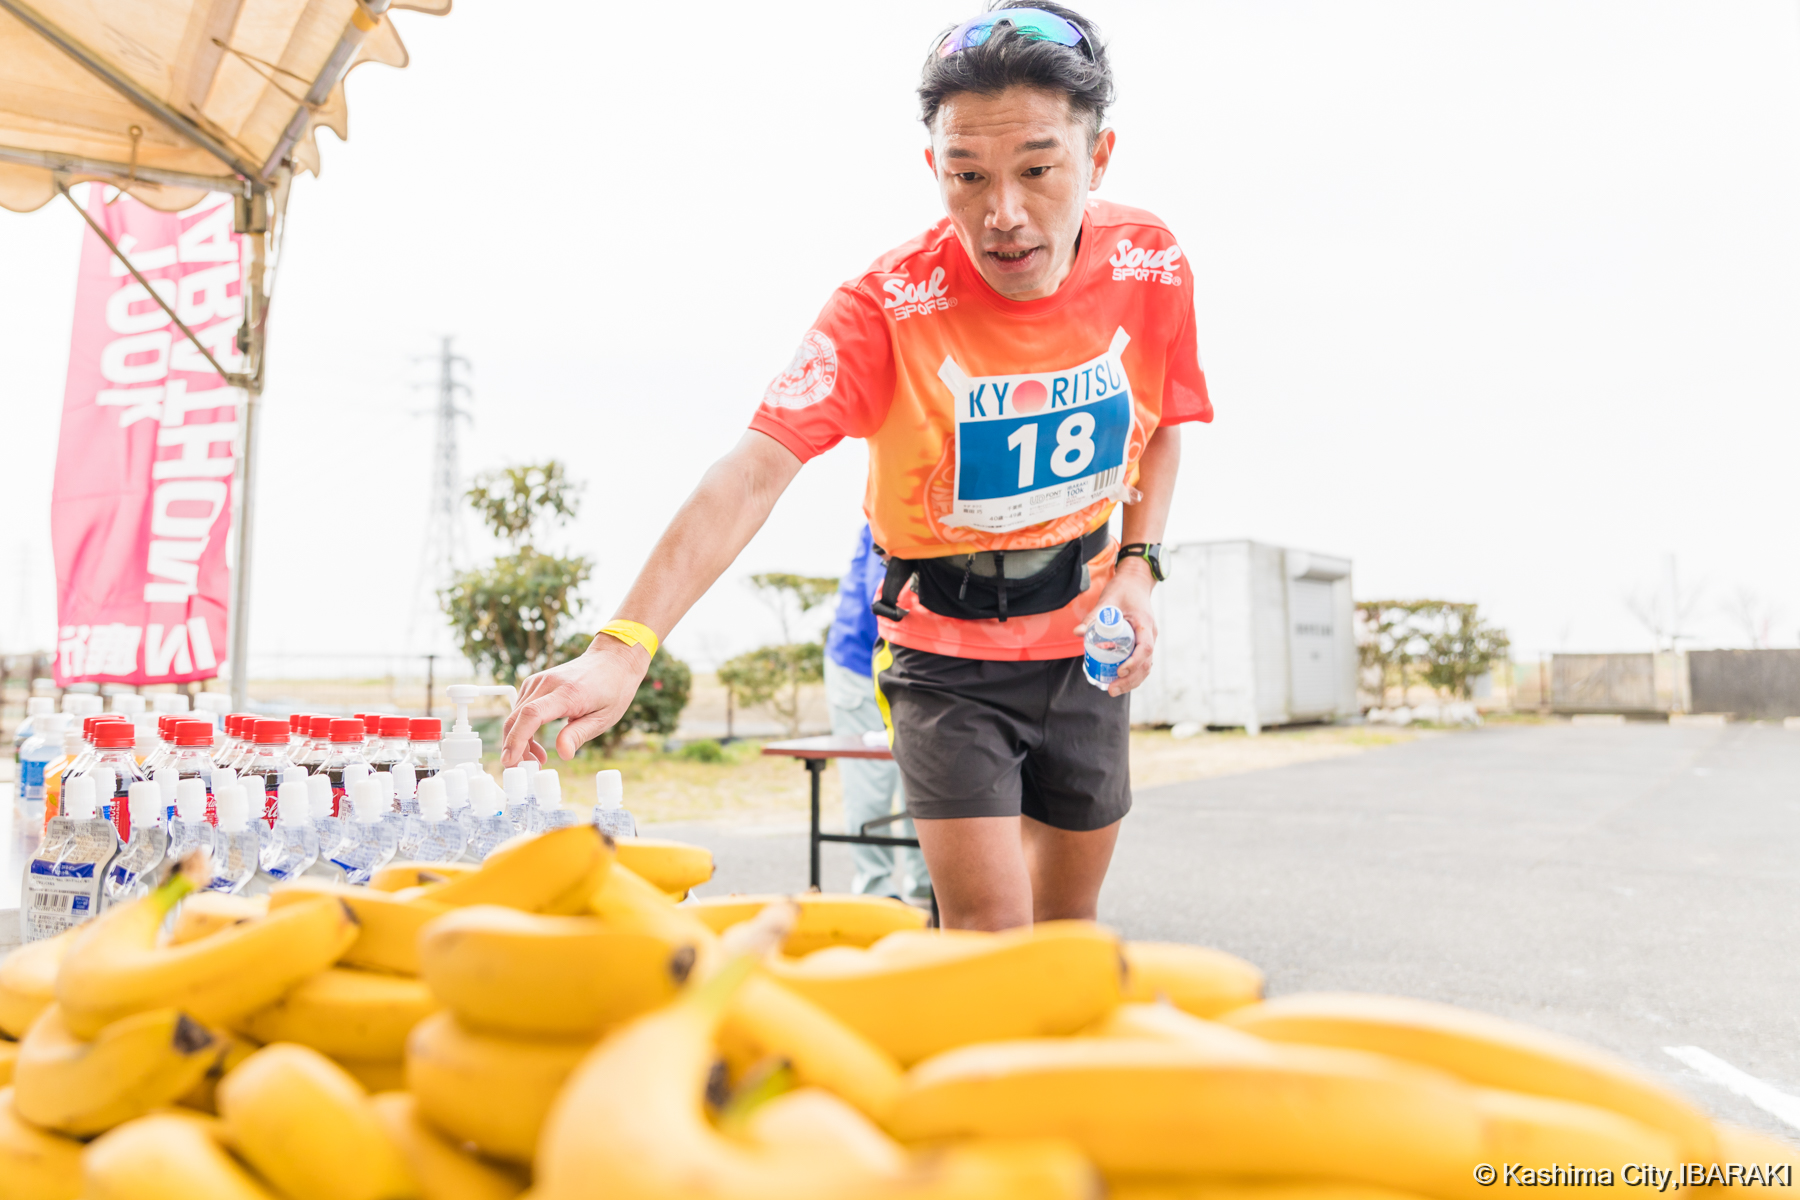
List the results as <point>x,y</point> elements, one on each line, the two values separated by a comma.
<point>931,161</point>
<point>1103,148</point>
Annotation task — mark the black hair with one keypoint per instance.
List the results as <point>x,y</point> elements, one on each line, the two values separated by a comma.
<point>1009,59</point>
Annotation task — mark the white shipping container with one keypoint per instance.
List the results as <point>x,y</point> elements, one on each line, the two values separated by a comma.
<point>1250,635</point>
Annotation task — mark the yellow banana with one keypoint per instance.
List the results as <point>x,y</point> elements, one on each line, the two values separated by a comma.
<point>384,1075</point>
<point>115,968</point>
<point>531,871</point>
<point>767,1020</point>
<point>309,1129</point>
<point>1535,1131</point>
<point>672,867</point>
<point>399,876</point>
<point>165,1156</point>
<point>1194,979</point>
<point>629,904</point>
<point>133,1065</point>
<point>1746,1147</point>
<point>9,1054</point>
<point>388,925</point>
<point>444,1170</point>
<point>28,981</point>
<point>533,975</point>
<point>930,993</point>
<point>814,1122</point>
<point>1165,1023</point>
<point>35,1164</point>
<point>825,920</point>
<point>203,1096</point>
<point>205,913</point>
<point>344,1013</point>
<point>1484,1050</point>
<point>484,1089</point>
<point>1151,1108</point>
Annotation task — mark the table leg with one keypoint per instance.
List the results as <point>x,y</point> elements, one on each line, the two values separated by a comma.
<point>815,767</point>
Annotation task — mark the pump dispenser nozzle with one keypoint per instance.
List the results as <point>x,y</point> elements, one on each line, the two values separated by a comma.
<point>462,744</point>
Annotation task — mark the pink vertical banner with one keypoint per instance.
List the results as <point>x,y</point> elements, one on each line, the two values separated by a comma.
<point>141,509</point>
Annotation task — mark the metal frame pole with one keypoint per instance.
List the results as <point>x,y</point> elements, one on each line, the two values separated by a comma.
<point>816,768</point>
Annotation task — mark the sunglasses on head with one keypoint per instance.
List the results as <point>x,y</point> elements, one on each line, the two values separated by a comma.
<point>1032,23</point>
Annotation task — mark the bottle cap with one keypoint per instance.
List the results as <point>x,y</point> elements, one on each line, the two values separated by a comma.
<point>367,801</point>
<point>293,773</point>
<point>609,790</point>
<point>1109,617</point>
<point>396,727</point>
<point>485,799</point>
<point>517,782</point>
<point>168,781</point>
<point>343,731</point>
<point>106,783</point>
<point>212,702</point>
<point>456,788</point>
<point>271,732</point>
<point>193,733</point>
<point>165,726</point>
<point>51,726</point>
<point>299,723</point>
<point>318,795</point>
<point>170,703</point>
<point>354,772</point>
<point>386,782</point>
<point>232,807</point>
<point>39,706</point>
<point>146,804</point>
<point>425,729</point>
<point>434,805</point>
<point>547,785</point>
<point>129,703</point>
<point>292,804</point>
<point>190,799</point>
<point>79,704</point>
<point>404,777</point>
<point>78,798</point>
<point>114,735</point>
<point>222,776</point>
<point>240,730</point>
<point>319,727</point>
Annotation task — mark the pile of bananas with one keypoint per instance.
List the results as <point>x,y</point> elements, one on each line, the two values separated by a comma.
<point>555,1022</point>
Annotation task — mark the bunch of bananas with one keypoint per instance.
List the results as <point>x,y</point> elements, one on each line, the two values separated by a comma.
<point>555,1021</point>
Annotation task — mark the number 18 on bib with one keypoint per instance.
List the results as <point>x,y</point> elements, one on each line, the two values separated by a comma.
<point>1038,446</point>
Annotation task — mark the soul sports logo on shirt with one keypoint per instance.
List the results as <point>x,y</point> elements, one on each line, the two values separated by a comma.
<point>907,299</point>
<point>1038,446</point>
<point>1143,264</point>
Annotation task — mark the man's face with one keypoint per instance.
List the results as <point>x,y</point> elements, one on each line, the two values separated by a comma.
<point>1015,171</point>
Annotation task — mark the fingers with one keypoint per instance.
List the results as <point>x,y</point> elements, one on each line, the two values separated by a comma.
<point>536,752</point>
<point>524,723</point>
<point>580,731</point>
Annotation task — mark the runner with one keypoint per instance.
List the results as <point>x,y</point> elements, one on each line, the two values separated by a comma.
<point>1018,371</point>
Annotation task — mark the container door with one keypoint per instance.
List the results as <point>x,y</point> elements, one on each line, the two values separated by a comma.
<point>1312,648</point>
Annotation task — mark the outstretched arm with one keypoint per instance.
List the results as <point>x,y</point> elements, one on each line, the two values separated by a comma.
<point>1144,521</point>
<point>733,500</point>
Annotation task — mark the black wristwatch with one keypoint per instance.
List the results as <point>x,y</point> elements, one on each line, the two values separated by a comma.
<point>1150,552</point>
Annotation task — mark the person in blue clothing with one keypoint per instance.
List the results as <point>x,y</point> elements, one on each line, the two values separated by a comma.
<point>871,788</point>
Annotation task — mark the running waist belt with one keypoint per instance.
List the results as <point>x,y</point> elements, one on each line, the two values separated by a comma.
<point>994,584</point>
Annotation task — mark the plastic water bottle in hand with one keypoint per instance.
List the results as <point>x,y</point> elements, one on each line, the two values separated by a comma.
<point>610,816</point>
<point>1110,641</point>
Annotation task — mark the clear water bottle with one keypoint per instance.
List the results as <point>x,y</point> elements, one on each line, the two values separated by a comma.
<point>553,813</point>
<point>237,847</point>
<point>1109,642</point>
<point>263,766</point>
<point>344,752</point>
<point>368,843</point>
<point>433,835</point>
<point>426,746</point>
<point>406,787</point>
<point>190,830</point>
<point>460,798</point>
<point>136,864</point>
<point>326,822</point>
<point>64,880</point>
<point>293,844</point>
<point>115,752</point>
<point>39,750</point>
<point>35,707</point>
<point>610,815</point>
<point>521,804</point>
<point>167,782</point>
<point>488,823</point>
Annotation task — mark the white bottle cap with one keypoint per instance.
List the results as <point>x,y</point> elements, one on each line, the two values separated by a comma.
<point>432,803</point>
<point>78,798</point>
<point>166,779</point>
<point>129,703</point>
<point>223,777</point>
<point>456,789</point>
<point>318,793</point>
<point>170,702</point>
<point>190,799</point>
<point>404,780</point>
<point>609,790</point>
<point>79,704</point>
<point>146,805</point>
<point>485,798</point>
<point>39,706</point>
<point>354,773</point>
<point>471,769</point>
<point>51,726</point>
<point>232,807</point>
<point>292,805</point>
<point>517,782</point>
<point>368,802</point>
<point>212,702</point>
<point>548,786</point>
<point>294,773</point>
<point>106,782</point>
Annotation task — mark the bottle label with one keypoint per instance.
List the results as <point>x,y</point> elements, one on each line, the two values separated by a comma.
<point>1101,673</point>
<point>59,895</point>
<point>31,780</point>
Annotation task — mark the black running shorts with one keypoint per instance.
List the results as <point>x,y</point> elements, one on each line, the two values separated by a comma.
<point>996,739</point>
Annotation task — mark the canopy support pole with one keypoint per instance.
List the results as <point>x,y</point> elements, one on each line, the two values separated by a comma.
<point>253,220</point>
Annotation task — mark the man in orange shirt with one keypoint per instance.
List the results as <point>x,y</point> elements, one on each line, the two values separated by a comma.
<point>1018,371</point>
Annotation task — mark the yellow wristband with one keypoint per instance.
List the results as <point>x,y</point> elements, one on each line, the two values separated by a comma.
<point>633,634</point>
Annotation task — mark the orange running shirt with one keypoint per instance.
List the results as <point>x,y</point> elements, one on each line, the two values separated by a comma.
<point>996,424</point>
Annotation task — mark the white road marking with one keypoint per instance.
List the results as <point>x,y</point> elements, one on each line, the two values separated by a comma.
<point>1767,1097</point>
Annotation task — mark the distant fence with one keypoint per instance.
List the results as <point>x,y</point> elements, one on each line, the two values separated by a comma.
<point>1604,683</point>
<point>1746,683</point>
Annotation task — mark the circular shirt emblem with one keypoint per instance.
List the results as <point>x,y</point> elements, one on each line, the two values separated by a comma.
<point>809,378</point>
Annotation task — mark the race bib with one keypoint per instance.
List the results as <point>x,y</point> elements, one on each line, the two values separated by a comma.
<point>1035,447</point>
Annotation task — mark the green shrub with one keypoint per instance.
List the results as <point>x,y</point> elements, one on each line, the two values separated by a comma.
<point>703,750</point>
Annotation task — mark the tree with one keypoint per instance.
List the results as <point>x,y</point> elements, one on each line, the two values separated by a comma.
<point>774,674</point>
<point>509,615</point>
<point>1754,616</point>
<point>1449,639</point>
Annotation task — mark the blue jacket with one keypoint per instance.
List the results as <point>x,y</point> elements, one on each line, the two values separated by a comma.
<point>851,642</point>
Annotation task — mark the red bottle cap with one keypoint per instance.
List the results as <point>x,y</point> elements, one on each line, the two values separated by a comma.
<point>243,728</point>
<point>346,730</point>
<point>369,720</point>
<point>114,735</point>
<point>165,727</point>
<point>321,728</point>
<point>88,723</point>
<point>425,729</point>
<point>271,732</point>
<point>396,727</point>
<point>299,723</point>
<point>193,733</point>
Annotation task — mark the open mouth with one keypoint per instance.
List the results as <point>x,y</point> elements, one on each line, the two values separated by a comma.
<point>1013,259</point>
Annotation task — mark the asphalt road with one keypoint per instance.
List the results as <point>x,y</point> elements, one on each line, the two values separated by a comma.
<point>1637,887</point>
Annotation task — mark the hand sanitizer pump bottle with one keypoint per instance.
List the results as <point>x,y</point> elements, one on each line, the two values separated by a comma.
<point>610,816</point>
<point>462,744</point>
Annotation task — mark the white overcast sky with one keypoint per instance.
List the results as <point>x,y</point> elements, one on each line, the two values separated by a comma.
<point>1498,299</point>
